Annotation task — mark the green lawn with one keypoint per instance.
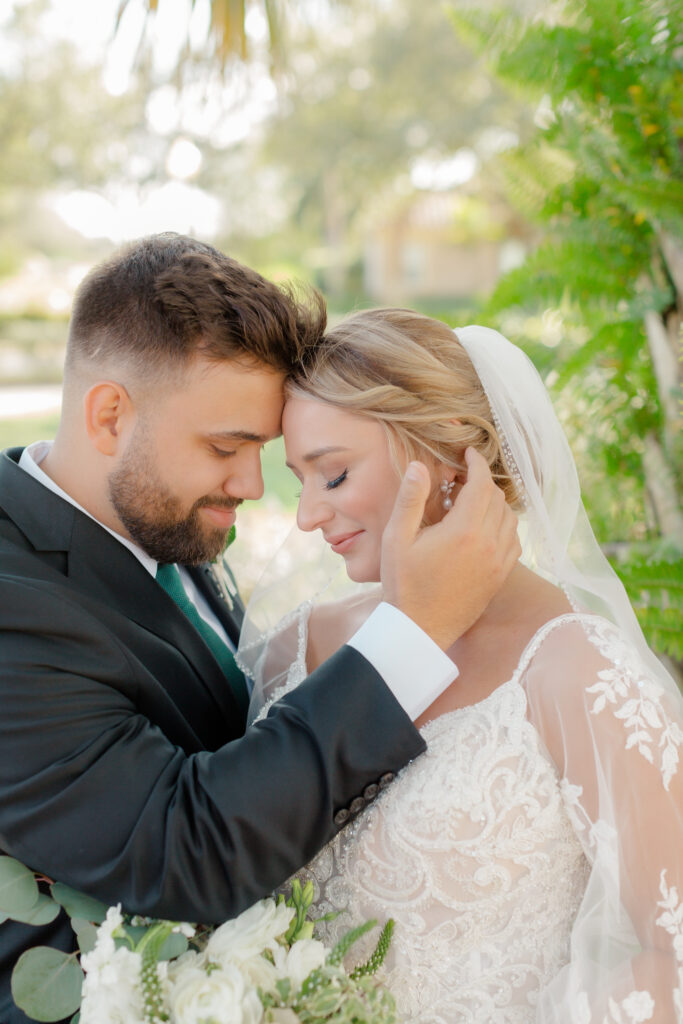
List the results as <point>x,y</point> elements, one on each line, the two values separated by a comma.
<point>25,430</point>
<point>278,479</point>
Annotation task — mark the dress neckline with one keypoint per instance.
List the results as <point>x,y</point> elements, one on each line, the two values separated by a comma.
<point>527,654</point>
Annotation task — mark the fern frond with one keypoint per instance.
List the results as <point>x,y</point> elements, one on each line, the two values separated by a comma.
<point>654,584</point>
<point>663,629</point>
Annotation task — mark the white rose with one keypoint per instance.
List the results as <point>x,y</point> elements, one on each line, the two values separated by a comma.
<point>190,958</point>
<point>249,934</point>
<point>304,956</point>
<point>260,972</point>
<point>220,996</point>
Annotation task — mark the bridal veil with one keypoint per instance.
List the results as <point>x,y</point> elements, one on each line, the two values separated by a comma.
<point>608,712</point>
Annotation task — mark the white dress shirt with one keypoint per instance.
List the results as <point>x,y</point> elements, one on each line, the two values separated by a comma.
<point>414,668</point>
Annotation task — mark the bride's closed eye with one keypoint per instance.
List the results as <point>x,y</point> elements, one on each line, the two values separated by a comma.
<point>331,484</point>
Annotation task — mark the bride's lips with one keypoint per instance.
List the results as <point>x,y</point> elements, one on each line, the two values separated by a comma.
<point>341,543</point>
<point>222,517</point>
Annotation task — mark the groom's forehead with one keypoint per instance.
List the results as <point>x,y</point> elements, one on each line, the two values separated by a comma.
<point>228,401</point>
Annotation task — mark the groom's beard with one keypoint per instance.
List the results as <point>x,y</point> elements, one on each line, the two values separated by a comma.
<point>153,517</point>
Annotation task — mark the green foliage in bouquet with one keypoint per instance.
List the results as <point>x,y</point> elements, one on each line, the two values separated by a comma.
<point>137,969</point>
<point>46,983</point>
<point>599,302</point>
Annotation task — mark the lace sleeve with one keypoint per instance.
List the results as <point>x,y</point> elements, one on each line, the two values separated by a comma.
<point>274,662</point>
<point>614,734</point>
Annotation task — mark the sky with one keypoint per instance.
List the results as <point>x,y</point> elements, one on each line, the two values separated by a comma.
<point>223,114</point>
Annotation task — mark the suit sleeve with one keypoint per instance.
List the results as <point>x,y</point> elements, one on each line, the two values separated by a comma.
<point>93,793</point>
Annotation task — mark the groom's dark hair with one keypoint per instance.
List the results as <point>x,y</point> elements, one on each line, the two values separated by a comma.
<point>161,299</point>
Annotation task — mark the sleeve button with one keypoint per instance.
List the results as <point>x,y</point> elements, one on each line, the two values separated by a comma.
<point>341,817</point>
<point>371,791</point>
<point>386,779</point>
<point>357,805</point>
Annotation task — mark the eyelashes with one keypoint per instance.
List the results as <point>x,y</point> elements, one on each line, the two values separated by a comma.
<point>331,484</point>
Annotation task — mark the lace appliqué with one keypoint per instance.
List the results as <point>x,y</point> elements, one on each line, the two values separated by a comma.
<point>636,699</point>
<point>297,670</point>
<point>480,852</point>
<point>472,853</point>
<point>672,921</point>
<point>638,1007</point>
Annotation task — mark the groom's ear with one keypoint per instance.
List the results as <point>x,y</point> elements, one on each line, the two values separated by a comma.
<point>109,414</point>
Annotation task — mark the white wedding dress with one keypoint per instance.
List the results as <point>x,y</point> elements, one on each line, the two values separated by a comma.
<point>508,854</point>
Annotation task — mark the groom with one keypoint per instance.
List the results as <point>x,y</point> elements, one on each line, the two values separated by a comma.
<point>125,769</point>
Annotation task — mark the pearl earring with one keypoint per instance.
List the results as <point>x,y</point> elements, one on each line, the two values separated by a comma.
<point>446,489</point>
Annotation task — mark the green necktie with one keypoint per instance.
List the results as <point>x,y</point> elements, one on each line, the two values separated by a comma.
<point>169,578</point>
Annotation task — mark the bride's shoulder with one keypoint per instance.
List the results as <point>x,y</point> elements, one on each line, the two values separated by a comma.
<point>333,623</point>
<point>572,653</point>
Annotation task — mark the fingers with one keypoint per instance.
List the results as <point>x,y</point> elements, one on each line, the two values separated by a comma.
<point>481,513</point>
<point>479,499</point>
<point>409,507</point>
<point>475,543</point>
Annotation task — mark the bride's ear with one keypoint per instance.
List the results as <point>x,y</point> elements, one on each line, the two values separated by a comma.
<point>460,469</point>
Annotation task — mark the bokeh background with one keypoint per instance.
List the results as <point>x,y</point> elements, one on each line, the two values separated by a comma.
<point>517,164</point>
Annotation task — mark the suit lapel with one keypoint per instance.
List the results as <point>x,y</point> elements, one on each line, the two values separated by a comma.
<point>105,570</point>
<point>134,593</point>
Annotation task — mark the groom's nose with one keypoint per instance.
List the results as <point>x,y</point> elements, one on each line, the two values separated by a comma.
<point>245,479</point>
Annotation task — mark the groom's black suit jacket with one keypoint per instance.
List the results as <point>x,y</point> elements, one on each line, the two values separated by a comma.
<point>125,770</point>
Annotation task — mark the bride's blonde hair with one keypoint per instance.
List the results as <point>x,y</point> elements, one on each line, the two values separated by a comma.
<point>411,374</point>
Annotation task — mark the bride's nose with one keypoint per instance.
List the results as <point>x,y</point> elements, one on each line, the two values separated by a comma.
<point>312,511</point>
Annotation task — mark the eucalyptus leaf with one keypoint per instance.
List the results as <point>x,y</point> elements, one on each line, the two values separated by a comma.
<point>18,888</point>
<point>86,933</point>
<point>42,912</point>
<point>46,984</point>
<point>77,904</point>
<point>134,932</point>
<point>175,945</point>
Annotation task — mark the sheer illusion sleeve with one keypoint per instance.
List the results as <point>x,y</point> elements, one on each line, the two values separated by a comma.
<point>614,734</point>
<point>274,662</point>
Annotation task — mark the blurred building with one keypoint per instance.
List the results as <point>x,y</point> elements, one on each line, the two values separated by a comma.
<point>440,245</point>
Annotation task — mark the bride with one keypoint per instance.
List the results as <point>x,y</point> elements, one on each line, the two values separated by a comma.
<point>531,858</point>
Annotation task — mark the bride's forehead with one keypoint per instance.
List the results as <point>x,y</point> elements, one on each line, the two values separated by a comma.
<point>304,414</point>
<point>311,423</point>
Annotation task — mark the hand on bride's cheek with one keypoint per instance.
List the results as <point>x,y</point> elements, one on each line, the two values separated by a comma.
<point>348,477</point>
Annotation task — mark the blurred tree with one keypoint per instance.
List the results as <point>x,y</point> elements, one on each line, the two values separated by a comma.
<point>366,96</point>
<point>603,177</point>
<point>59,129</point>
<point>227,35</point>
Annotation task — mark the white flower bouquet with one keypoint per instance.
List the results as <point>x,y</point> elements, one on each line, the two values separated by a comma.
<point>263,967</point>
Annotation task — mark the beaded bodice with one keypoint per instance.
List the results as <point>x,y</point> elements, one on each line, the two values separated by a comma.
<point>471,852</point>
<point>508,853</point>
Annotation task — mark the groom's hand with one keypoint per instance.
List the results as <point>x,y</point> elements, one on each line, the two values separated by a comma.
<point>443,576</point>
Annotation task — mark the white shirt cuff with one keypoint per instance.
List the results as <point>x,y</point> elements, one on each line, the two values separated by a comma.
<point>413,667</point>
